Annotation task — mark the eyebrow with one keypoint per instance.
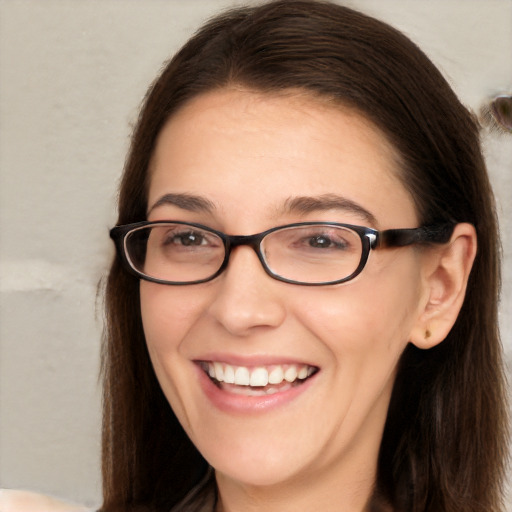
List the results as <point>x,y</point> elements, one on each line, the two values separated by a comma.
<point>310,204</point>
<point>188,202</point>
<point>301,204</point>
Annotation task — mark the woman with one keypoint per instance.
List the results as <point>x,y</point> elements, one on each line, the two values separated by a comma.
<point>320,365</point>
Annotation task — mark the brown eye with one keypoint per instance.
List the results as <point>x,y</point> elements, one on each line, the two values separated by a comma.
<point>325,242</point>
<point>188,239</point>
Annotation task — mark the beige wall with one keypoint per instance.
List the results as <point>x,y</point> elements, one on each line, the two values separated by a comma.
<point>72,74</point>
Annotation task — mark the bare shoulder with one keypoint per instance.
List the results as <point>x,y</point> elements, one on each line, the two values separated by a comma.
<point>25,501</point>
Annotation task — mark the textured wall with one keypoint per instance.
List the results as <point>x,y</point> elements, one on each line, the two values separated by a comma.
<point>72,74</point>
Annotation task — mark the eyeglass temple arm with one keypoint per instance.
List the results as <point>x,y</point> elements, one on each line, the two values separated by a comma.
<point>434,234</point>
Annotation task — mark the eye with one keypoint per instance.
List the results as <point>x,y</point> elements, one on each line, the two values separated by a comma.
<point>326,242</point>
<point>316,239</point>
<point>187,238</point>
<point>333,239</point>
<point>175,238</point>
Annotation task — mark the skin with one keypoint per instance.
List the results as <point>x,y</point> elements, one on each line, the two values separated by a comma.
<point>247,154</point>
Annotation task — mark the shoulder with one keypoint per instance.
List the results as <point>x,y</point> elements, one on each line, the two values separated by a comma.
<point>24,501</point>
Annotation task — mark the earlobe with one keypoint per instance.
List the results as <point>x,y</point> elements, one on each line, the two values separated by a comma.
<point>446,272</point>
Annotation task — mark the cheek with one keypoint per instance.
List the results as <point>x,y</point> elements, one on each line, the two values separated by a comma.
<point>361,330</point>
<point>370,318</point>
<point>168,313</point>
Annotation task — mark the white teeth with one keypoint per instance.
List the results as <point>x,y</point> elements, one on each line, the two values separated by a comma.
<point>303,373</point>
<point>258,391</point>
<point>276,376</point>
<point>229,375</point>
<point>291,373</point>
<point>219,372</point>
<point>258,376</point>
<point>242,376</point>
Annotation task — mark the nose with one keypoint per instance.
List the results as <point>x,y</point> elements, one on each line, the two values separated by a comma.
<point>247,298</point>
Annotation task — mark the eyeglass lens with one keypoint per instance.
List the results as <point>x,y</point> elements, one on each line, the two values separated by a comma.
<point>307,254</point>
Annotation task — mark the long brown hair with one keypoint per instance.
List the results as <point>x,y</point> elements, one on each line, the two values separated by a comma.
<point>444,445</point>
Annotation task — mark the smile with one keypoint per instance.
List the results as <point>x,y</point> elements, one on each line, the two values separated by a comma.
<point>259,380</point>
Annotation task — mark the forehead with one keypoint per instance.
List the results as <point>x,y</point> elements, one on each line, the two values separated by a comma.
<point>246,152</point>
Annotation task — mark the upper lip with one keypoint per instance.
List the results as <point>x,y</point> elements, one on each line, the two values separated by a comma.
<point>252,361</point>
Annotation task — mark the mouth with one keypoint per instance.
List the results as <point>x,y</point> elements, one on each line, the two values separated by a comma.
<point>258,380</point>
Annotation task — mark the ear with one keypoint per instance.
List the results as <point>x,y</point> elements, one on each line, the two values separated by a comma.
<point>445,272</point>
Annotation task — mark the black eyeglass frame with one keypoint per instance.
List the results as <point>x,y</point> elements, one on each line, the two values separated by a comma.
<point>370,239</point>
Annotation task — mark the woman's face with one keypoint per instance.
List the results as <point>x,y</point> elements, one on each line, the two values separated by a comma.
<point>251,161</point>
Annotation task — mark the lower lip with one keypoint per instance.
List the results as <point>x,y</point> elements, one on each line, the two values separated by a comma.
<point>235,403</point>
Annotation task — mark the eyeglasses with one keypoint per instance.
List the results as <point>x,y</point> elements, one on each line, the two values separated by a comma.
<point>305,253</point>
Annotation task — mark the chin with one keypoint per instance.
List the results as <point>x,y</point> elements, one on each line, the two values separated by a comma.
<point>259,462</point>
<point>254,474</point>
